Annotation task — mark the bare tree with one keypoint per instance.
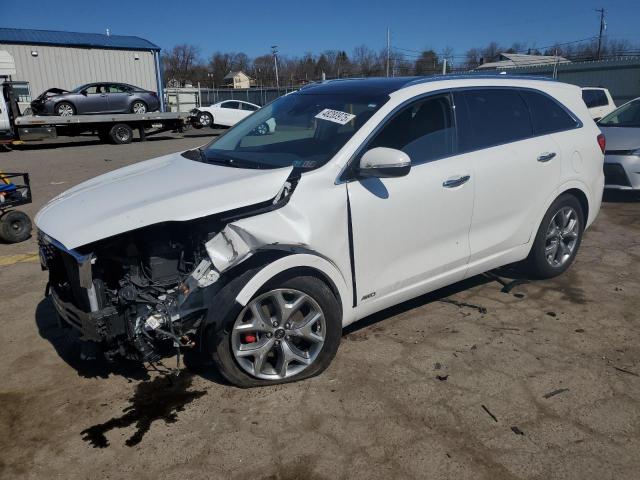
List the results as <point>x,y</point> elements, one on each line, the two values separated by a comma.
<point>179,64</point>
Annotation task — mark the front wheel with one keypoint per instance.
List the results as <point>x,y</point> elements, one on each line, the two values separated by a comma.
<point>289,331</point>
<point>65,109</point>
<point>558,238</point>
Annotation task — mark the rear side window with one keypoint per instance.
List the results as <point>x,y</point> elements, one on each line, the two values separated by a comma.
<point>233,105</point>
<point>594,98</point>
<point>547,115</point>
<point>491,116</point>
<point>424,130</point>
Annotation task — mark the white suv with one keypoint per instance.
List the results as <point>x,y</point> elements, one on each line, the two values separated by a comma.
<point>598,101</point>
<point>256,250</point>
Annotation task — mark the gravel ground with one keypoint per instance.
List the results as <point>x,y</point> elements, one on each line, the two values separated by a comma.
<point>540,382</point>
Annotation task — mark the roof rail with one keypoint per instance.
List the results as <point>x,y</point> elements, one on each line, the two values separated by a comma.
<point>467,76</point>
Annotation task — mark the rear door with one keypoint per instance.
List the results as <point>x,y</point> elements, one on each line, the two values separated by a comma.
<point>515,171</point>
<point>229,114</point>
<point>119,97</point>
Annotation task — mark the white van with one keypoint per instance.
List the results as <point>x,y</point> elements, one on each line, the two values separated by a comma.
<point>256,250</point>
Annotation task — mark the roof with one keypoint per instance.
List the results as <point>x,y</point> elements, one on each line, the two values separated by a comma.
<point>522,60</point>
<point>388,85</point>
<point>74,39</point>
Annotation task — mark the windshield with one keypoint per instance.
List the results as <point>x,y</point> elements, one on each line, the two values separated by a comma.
<point>299,130</point>
<point>626,116</point>
<point>80,88</point>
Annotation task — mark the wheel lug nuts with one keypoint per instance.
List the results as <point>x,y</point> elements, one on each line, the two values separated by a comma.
<point>277,342</point>
<point>275,324</point>
<point>287,326</point>
<point>269,334</point>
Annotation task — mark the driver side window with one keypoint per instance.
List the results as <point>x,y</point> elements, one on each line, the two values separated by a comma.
<point>424,130</point>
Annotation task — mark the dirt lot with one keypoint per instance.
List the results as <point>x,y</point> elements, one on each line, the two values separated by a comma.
<point>541,382</point>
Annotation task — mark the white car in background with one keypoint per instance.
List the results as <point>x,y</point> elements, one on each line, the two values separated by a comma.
<point>599,101</point>
<point>226,113</point>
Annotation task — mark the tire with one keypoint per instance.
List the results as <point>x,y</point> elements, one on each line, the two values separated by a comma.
<point>139,107</point>
<point>65,109</point>
<point>545,261</point>
<point>262,129</point>
<point>205,119</point>
<point>224,343</point>
<point>121,134</point>
<point>15,226</point>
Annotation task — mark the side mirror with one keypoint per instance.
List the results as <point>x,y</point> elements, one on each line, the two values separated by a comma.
<point>83,92</point>
<point>382,162</point>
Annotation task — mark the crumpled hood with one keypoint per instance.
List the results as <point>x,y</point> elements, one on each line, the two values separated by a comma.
<point>621,138</point>
<point>168,188</point>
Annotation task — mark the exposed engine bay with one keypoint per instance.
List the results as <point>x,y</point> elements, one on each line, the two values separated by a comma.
<point>144,294</point>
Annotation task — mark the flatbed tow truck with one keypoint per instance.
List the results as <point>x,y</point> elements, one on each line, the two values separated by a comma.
<point>116,128</point>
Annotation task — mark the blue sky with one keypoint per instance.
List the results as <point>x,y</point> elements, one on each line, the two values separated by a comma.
<point>302,26</point>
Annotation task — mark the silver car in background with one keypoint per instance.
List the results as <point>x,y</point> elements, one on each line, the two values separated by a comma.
<point>621,129</point>
<point>93,98</point>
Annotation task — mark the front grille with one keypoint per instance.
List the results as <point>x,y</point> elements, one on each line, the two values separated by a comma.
<point>614,174</point>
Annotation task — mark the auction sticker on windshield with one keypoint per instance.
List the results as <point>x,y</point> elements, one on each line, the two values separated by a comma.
<point>335,116</point>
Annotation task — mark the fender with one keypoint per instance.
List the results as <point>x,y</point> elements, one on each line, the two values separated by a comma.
<point>295,261</point>
<point>573,184</point>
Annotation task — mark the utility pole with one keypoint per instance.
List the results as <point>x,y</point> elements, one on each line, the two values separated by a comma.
<point>444,67</point>
<point>274,52</point>
<point>602,28</point>
<point>388,50</point>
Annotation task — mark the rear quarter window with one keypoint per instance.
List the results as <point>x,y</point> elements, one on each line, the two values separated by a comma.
<point>595,98</point>
<point>490,116</point>
<point>547,115</point>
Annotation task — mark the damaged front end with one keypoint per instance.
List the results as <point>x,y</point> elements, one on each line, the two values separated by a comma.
<point>142,294</point>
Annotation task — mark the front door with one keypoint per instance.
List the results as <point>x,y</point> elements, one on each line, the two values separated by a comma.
<point>411,234</point>
<point>92,100</point>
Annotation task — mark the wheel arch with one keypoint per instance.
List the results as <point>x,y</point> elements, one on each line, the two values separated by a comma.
<point>298,264</point>
<point>582,198</point>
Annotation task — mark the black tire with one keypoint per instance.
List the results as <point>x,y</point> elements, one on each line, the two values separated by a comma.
<point>121,134</point>
<point>205,119</point>
<point>15,226</point>
<point>63,108</point>
<point>139,105</point>
<point>537,264</point>
<point>104,135</point>
<point>227,310</point>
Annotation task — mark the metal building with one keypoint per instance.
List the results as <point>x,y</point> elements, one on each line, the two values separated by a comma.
<point>620,75</point>
<point>48,59</point>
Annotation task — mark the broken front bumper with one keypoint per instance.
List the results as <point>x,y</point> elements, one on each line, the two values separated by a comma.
<point>100,325</point>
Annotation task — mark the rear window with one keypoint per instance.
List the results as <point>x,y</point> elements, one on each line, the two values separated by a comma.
<point>488,117</point>
<point>594,98</point>
<point>547,115</point>
<point>251,108</point>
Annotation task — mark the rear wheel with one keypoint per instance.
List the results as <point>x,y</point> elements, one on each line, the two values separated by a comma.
<point>121,133</point>
<point>558,238</point>
<point>65,109</point>
<point>139,107</point>
<point>289,331</point>
<point>15,226</point>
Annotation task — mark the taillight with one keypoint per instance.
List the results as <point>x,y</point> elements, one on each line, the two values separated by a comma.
<point>602,142</point>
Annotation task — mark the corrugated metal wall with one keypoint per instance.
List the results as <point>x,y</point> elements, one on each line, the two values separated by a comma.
<point>621,75</point>
<point>67,67</point>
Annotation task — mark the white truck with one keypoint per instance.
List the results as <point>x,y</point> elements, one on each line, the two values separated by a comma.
<point>110,128</point>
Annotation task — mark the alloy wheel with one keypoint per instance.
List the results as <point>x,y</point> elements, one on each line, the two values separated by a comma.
<point>278,334</point>
<point>562,236</point>
<point>65,110</point>
<point>139,108</point>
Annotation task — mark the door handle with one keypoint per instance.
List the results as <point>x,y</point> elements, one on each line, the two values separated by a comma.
<point>456,182</point>
<point>546,156</point>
